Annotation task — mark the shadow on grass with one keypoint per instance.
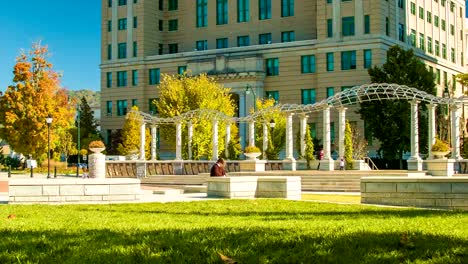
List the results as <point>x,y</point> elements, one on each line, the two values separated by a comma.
<point>247,245</point>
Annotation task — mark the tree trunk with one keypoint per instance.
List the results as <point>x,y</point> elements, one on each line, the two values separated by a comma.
<point>400,157</point>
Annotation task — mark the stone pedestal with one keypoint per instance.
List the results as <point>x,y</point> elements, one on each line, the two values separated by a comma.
<point>289,164</point>
<point>232,187</point>
<point>440,167</point>
<point>415,164</point>
<point>327,165</point>
<point>97,166</point>
<point>252,165</point>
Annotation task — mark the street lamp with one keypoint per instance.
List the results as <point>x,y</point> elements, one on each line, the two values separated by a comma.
<point>49,121</point>
<point>272,123</point>
<point>247,91</point>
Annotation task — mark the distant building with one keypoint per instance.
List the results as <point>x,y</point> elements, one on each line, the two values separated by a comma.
<point>293,51</point>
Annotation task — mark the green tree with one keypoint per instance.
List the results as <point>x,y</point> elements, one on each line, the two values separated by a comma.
<point>276,135</point>
<point>389,120</point>
<point>34,94</point>
<point>309,151</point>
<point>179,94</point>
<point>88,124</point>
<point>348,144</point>
<point>131,135</point>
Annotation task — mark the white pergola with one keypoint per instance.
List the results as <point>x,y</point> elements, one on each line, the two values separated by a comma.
<point>357,94</point>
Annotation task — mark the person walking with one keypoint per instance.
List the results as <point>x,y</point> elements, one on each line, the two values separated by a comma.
<point>341,164</point>
<point>320,157</point>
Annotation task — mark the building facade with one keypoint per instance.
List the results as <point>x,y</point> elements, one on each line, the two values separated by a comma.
<point>297,52</point>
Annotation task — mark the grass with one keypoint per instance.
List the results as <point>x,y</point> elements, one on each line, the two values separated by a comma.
<point>248,231</point>
<point>339,198</point>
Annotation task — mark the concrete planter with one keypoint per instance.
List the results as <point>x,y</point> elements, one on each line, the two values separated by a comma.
<point>440,167</point>
<point>252,165</point>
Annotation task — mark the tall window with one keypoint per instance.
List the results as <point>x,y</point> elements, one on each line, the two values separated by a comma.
<point>109,79</point>
<point>152,106</point>
<point>154,76</point>
<point>437,48</point>
<point>135,22</point>
<point>161,25</point>
<point>135,49</point>
<point>452,29</point>
<point>452,55</point>
<point>348,60</point>
<point>243,41</point>
<point>264,10</point>
<point>330,61</point>
<point>387,27</point>
<point>173,48</point>
<point>308,64</point>
<point>264,38</point>
<point>442,24</point>
<point>173,5</point>
<point>121,107</point>
<point>221,12</point>
<point>287,36</point>
<point>122,2</point>
<point>122,48</point>
<point>438,76</point>
<point>109,26</point>
<point>160,49</point>
<point>421,13</point>
<point>367,58</point>
<point>243,13</point>
<point>287,8</point>
<point>109,3</point>
<point>173,24</point>
<point>135,77</point>
<point>308,96</point>
<point>436,21</point>
<point>413,37</point>
<point>122,24</point>
<point>429,45</point>
<point>444,51</point>
<point>109,52</point>
<point>401,3</point>
<point>221,43</point>
<point>202,13</point>
<point>329,28</point>
<point>330,91</point>
<point>429,17</point>
<point>348,26</point>
<point>272,67</point>
<point>109,108</point>
<point>366,24</point>
<point>161,5</point>
<point>401,32</point>
<point>201,45</point>
<point>413,8</point>
<point>134,102</point>
<point>272,95</point>
<point>422,41</point>
<point>121,78</point>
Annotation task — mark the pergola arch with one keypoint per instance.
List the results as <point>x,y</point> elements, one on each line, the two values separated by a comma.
<point>351,96</point>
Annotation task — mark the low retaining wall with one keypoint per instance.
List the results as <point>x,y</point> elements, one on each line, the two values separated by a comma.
<point>425,192</point>
<point>73,190</point>
<point>255,187</point>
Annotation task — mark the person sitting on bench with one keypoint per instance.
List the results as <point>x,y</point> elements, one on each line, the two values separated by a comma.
<point>218,169</point>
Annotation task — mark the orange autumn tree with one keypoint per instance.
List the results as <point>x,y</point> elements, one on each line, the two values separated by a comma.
<point>34,94</point>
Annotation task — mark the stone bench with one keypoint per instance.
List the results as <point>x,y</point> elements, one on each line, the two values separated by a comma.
<point>73,190</point>
<point>288,187</point>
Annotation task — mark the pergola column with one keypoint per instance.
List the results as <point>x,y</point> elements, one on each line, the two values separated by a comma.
<point>215,140</point>
<point>303,131</point>
<point>142,140</point>
<point>342,129</point>
<point>189,139</point>
<point>414,162</point>
<point>265,139</point>
<point>289,162</point>
<point>431,128</point>
<point>251,133</point>
<point>228,139</point>
<point>154,132</point>
<point>455,131</point>
<point>178,140</point>
<point>327,162</point>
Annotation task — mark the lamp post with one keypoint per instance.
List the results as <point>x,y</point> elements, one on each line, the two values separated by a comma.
<point>247,91</point>
<point>446,94</point>
<point>49,121</point>
<point>78,121</point>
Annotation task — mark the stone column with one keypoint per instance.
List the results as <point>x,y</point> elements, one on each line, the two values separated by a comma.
<point>327,162</point>
<point>154,131</point>
<point>414,162</point>
<point>251,133</point>
<point>142,140</point>
<point>265,139</point>
<point>215,140</point>
<point>289,162</point>
<point>189,139</point>
<point>336,14</point>
<point>178,140</point>
<point>303,131</point>
<point>228,139</point>
<point>342,129</point>
<point>455,131</point>
<point>431,128</point>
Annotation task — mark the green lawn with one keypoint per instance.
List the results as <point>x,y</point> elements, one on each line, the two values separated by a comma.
<point>248,231</point>
<point>333,198</point>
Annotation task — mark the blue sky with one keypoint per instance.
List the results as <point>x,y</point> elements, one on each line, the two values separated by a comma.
<point>71,29</point>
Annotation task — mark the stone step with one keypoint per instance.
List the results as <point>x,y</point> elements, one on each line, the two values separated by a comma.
<point>169,192</point>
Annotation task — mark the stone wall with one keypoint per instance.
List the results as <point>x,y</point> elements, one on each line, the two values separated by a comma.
<point>73,190</point>
<point>425,192</point>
